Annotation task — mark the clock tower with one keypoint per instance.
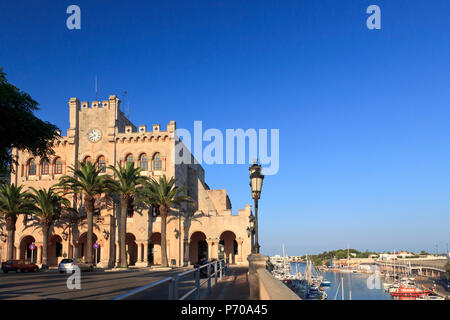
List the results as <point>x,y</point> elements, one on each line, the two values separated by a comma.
<point>93,127</point>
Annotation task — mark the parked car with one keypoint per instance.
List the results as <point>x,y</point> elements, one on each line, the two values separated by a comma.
<point>70,265</point>
<point>19,266</point>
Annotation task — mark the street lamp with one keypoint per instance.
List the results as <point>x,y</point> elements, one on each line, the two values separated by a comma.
<point>256,181</point>
<point>251,231</point>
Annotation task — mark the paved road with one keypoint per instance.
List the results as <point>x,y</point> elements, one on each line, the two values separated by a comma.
<point>94,286</point>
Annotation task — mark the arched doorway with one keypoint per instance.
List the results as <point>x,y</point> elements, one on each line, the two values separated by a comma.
<point>55,249</point>
<point>154,248</point>
<point>132,249</point>
<point>228,247</point>
<point>82,248</point>
<point>198,247</point>
<point>25,252</point>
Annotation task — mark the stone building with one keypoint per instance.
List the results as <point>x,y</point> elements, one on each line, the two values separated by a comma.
<point>101,133</point>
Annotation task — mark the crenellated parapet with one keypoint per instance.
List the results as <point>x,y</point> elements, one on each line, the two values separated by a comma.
<point>142,135</point>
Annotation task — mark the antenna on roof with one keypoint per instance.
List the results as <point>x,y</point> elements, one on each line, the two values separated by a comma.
<point>96,89</point>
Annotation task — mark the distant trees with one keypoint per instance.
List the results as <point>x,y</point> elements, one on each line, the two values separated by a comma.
<point>324,257</point>
<point>19,128</point>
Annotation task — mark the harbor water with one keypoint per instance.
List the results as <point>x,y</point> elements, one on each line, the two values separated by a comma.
<point>355,285</point>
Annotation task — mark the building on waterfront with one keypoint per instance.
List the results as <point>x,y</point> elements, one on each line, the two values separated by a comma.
<point>101,133</point>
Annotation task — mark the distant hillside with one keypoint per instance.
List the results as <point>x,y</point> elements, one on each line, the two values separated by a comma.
<point>324,257</point>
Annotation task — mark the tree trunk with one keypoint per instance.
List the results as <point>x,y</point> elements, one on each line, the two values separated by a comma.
<point>123,231</point>
<point>89,205</point>
<point>11,228</point>
<point>45,229</point>
<point>163,214</point>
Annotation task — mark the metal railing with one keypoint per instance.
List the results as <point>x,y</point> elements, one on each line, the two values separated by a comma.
<point>220,268</point>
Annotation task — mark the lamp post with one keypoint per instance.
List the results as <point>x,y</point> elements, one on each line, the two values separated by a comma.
<point>251,231</point>
<point>256,181</point>
<point>178,236</point>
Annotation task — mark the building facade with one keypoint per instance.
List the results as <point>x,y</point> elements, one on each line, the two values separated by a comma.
<point>101,133</point>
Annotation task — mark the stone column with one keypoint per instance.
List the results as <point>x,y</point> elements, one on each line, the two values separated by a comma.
<point>210,244</point>
<point>117,253</point>
<point>255,261</point>
<point>186,252</point>
<point>145,260</point>
<point>38,253</point>
<point>139,252</point>
<point>240,242</point>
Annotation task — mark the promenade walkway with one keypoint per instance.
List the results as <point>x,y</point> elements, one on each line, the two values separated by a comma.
<point>428,283</point>
<point>234,286</point>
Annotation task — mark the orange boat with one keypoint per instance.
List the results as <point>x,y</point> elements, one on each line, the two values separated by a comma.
<point>409,292</point>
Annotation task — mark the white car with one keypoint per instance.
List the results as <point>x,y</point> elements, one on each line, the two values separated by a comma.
<point>70,265</point>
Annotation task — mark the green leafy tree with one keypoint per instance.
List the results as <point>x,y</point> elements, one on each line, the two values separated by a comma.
<point>19,128</point>
<point>47,207</point>
<point>13,201</point>
<point>164,195</point>
<point>87,180</point>
<point>126,185</point>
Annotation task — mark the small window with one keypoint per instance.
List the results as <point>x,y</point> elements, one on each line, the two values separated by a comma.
<point>101,164</point>
<point>143,162</point>
<point>129,158</point>
<point>31,167</point>
<point>45,168</point>
<point>87,160</point>
<point>58,166</point>
<point>157,162</point>
<point>155,211</point>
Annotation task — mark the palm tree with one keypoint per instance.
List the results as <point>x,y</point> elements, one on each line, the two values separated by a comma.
<point>126,184</point>
<point>13,201</point>
<point>164,195</point>
<point>86,179</point>
<point>47,207</point>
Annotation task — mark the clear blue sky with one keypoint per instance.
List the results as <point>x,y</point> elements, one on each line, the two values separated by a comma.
<point>363,115</point>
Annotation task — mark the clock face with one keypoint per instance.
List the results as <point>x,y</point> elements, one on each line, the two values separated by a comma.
<point>94,135</point>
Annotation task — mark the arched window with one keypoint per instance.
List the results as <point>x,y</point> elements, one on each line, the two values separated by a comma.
<point>157,162</point>
<point>143,162</point>
<point>129,158</point>
<point>87,160</point>
<point>31,167</point>
<point>58,166</point>
<point>101,163</point>
<point>45,167</point>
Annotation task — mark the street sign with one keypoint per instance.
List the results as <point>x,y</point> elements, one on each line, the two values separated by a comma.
<point>96,245</point>
<point>32,246</point>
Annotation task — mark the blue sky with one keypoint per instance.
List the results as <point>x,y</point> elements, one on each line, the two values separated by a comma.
<point>363,115</point>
